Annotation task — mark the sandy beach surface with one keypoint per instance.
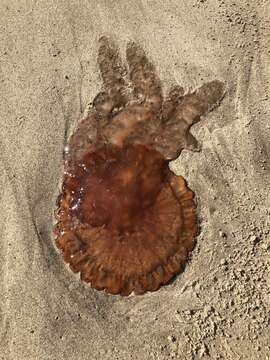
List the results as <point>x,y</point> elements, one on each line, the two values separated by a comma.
<point>219,307</point>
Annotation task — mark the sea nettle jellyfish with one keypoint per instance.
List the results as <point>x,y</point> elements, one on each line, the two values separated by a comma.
<point>125,221</point>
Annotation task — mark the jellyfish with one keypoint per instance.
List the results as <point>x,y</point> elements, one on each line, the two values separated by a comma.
<point>124,221</point>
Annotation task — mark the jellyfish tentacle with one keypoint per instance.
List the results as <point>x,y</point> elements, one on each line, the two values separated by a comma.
<point>113,75</point>
<point>110,64</point>
<point>200,102</point>
<point>143,76</point>
<point>175,135</point>
<point>173,98</point>
<point>196,104</point>
<point>191,143</point>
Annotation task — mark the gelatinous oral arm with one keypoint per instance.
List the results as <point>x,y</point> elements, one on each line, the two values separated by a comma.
<point>143,76</point>
<point>175,135</point>
<point>136,121</point>
<point>112,72</point>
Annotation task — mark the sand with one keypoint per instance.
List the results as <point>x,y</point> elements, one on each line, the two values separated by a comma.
<point>219,307</point>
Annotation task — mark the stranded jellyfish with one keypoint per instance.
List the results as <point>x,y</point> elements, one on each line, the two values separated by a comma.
<point>125,221</point>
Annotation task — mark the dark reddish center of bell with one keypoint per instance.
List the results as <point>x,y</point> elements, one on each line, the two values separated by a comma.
<point>118,185</point>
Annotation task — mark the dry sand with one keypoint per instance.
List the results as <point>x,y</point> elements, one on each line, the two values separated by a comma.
<point>219,307</point>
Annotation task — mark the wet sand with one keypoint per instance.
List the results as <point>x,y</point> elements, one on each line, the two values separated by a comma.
<point>219,307</point>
